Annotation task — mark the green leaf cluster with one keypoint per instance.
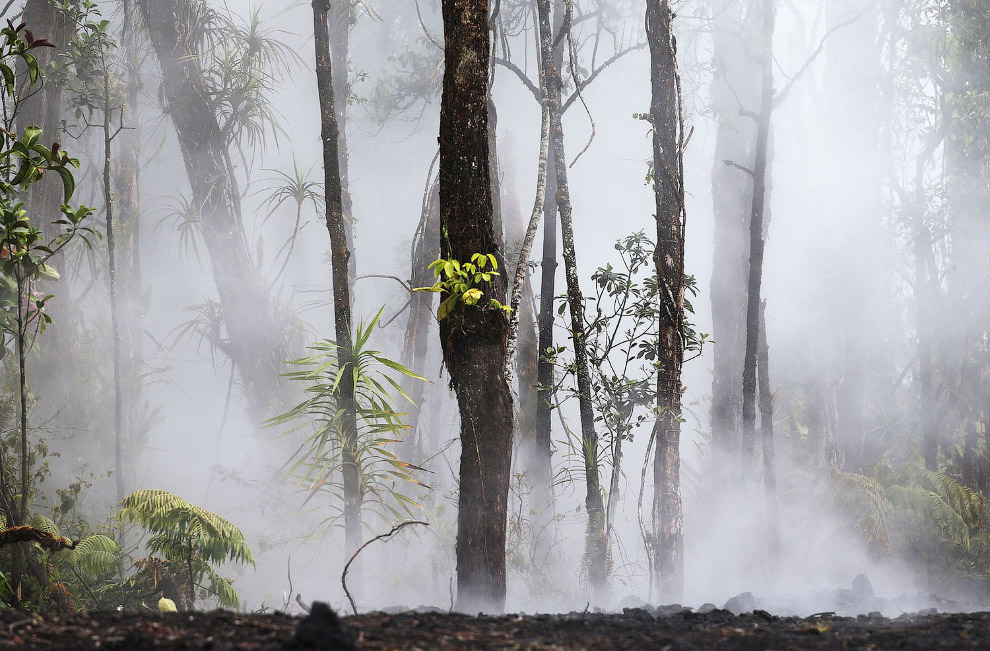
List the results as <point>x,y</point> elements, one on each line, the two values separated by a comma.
<point>316,463</point>
<point>461,282</point>
<point>188,541</point>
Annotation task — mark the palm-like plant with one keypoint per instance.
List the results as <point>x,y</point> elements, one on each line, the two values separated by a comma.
<point>298,189</point>
<point>186,542</point>
<point>316,463</point>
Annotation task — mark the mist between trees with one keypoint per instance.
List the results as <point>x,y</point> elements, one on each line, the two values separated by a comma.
<point>626,301</point>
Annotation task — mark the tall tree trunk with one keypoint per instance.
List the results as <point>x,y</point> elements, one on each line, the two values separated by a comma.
<point>967,189</point>
<point>766,437</point>
<point>668,142</point>
<point>339,256</point>
<point>852,82</point>
<point>534,448</point>
<point>760,174</point>
<point>473,338</point>
<point>127,251</point>
<point>548,276</point>
<point>255,337</point>
<point>43,105</point>
<point>924,309</point>
<point>415,346</point>
<point>341,16</point>
<point>734,85</point>
<point>116,331</point>
<point>596,543</point>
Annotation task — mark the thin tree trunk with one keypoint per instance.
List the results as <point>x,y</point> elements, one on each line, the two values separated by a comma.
<point>115,329</point>
<point>924,299</point>
<point>766,432</point>
<point>473,339</point>
<point>852,148</point>
<point>734,84</point>
<point>127,251</point>
<point>255,337</point>
<point>535,445</point>
<point>341,16</point>
<point>541,465</point>
<point>668,142</point>
<point>760,173</point>
<point>596,543</point>
<point>339,255</point>
<point>42,105</point>
<point>522,265</point>
<point>415,347</point>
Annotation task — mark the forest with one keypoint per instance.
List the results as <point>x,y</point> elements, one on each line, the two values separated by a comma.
<point>315,301</point>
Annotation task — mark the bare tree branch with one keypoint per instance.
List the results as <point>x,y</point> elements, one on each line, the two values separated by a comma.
<point>597,71</point>
<point>505,63</point>
<point>395,530</point>
<point>782,95</point>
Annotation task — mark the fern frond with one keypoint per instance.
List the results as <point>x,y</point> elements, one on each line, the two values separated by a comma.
<point>94,555</point>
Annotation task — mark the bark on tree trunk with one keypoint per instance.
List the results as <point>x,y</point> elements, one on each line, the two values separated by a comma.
<point>596,543</point>
<point>766,438</point>
<point>760,174</point>
<point>734,84</point>
<point>339,256</point>
<point>548,275</point>
<point>341,16</point>
<point>128,260</point>
<point>425,245</point>
<point>668,142</point>
<point>473,339</point>
<point>535,449</point>
<point>42,106</point>
<point>254,333</point>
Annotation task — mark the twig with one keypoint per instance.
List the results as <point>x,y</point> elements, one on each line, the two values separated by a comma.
<point>597,71</point>
<point>527,82</point>
<point>782,95</point>
<point>395,529</point>
<point>387,277</point>
<point>301,604</point>
<point>288,571</point>
<point>738,166</point>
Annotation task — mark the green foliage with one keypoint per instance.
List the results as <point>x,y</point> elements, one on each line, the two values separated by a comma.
<point>316,462</point>
<point>82,69</point>
<point>24,252</point>
<point>622,341</point>
<point>927,516</point>
<point>241,64</point>
<point>186,542</point>
<point>461,282</point>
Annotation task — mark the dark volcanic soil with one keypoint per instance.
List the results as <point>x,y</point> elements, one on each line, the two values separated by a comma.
<point>635,629</point>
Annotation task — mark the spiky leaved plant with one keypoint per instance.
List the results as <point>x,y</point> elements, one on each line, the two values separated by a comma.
<point>318,461</point>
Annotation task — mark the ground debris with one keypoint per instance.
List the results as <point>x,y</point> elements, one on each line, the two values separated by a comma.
<point>637,629</point>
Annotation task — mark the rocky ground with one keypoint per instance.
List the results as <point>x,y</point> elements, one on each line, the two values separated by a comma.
<point>667,628</point>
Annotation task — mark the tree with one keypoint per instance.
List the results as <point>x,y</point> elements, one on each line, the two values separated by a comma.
<point>668,183</point>
<point>756,241</point>
<point>473,336</point>
<point>254,337</point>
<point>25,253</point>
<point>734,87</point>
<point>339,256</point>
